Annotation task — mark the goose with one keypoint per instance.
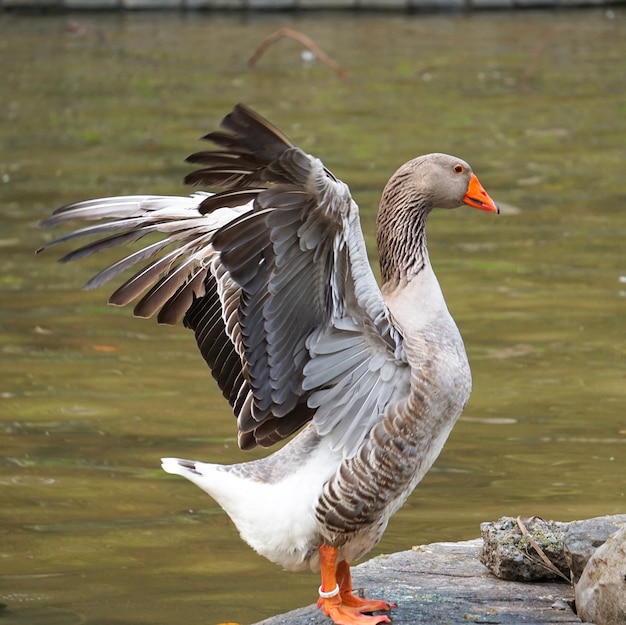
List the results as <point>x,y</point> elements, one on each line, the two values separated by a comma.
<point>272,275</point>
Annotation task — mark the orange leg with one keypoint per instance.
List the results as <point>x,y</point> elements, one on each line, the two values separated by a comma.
<point>336,581</point>
<point>348,598</point>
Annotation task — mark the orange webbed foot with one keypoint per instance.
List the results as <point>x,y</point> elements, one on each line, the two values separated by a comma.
<point>343,614</point>
<point>366,605</point>
<point>337,600</point>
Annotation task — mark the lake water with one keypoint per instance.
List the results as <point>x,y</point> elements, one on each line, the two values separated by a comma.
<point>91,530</point>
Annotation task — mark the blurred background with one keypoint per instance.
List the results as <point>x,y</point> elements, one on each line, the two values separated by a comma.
<point>97,104</point>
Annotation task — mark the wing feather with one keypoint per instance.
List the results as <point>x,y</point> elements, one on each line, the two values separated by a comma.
<point>122,265</point>
<point>271,274</point>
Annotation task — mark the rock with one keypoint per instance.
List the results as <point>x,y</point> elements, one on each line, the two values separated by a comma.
<point>513,548</point>
<point>446,583</point>
<point>601,590</point>
<point>582,538</point>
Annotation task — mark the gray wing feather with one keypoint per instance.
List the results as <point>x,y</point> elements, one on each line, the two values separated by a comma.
<point>272,275</point>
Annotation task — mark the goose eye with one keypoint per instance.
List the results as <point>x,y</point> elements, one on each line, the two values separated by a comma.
<point>459,169</point>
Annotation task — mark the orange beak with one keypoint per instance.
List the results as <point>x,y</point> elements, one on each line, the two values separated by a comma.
<point>477,197</point>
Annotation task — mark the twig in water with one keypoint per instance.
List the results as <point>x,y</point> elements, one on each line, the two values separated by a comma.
<point>538,53</point>
<point>307,42</point>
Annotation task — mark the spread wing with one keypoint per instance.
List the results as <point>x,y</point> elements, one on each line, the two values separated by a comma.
<point>271,274</point>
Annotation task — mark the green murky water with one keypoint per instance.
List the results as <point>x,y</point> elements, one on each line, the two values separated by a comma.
<point>91,531</point>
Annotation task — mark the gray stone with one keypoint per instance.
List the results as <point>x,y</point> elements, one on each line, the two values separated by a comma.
<point>513,553</point>
<point>601,590</point>
<point>582,538</point>
<point>446,583</point>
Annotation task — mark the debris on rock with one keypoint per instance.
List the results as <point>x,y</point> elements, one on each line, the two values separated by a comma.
<point>528,550</point>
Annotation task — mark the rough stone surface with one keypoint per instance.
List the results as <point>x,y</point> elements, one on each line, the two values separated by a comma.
<point>601,590</point>
<point>446,583</point>
<point>509,553</point>
<point>582,538</point>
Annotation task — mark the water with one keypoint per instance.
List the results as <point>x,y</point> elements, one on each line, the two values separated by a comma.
<point>91,531</point>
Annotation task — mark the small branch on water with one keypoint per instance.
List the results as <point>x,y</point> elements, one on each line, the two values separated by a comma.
<point>538,53</point>
<point>307,42</point>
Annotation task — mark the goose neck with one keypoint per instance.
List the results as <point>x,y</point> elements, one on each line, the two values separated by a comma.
<point>401,239</point>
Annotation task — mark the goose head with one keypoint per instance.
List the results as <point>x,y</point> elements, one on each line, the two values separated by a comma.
<point>423,183</point>
<point>439,181</point>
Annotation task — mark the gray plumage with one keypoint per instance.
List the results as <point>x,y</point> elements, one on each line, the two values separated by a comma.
<point>272,276</point>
